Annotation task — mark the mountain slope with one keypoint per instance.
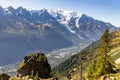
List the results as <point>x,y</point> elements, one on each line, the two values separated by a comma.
<point>70,67</point>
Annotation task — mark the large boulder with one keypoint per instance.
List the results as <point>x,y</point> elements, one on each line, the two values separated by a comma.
<point>35,64</point>
<point>4,76</point>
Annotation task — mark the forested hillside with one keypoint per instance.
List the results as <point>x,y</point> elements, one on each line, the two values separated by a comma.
<point>108,46</point>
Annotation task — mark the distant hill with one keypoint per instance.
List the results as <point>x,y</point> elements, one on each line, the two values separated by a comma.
<point>70,67</point>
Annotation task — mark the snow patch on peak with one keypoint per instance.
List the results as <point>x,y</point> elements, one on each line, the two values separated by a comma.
<point>52,12</point>
<point>6,10</point>
<point>77,22</point>
<point>66,14</point>
<point>79,14</point>
<point>63,14</point>
<point>77,19</point>
<point>70,30</point>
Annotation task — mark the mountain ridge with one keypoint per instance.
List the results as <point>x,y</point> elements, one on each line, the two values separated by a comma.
<point>23,31</point>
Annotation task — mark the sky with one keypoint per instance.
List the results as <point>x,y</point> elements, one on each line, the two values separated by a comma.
<point>105,10</point>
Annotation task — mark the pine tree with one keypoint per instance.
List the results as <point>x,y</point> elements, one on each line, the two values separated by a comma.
<point>105,63</point>
<point>105,45</point>
<point>101,65</point>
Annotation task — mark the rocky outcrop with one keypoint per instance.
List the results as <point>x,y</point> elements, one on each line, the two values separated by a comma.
<point>4,76</point>
<point>35,64</point>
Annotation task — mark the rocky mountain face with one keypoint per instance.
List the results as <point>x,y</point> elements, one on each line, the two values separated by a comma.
<point>23,31</point>
<point>35,64</point>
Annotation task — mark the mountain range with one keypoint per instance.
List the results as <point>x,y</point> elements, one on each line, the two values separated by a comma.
<point>23,31</point>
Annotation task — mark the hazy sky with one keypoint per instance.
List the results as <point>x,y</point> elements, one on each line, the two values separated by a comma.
<point>106,10</point>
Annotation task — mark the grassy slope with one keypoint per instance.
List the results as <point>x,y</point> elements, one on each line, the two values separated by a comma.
<point>70,66</point>
<point>115,41</point>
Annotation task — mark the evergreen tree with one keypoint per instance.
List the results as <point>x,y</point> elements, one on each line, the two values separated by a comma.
<point>102,64</point>
<point>105,63</point>
<point>105,45</point>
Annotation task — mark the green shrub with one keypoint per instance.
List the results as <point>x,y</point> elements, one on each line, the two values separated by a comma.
<point>36,77</point>
<point>13,78</point>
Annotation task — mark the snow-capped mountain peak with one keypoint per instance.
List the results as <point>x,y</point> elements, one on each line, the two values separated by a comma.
<point>67,14</point>
<point>45,30</point>
<point>71,20</point>
<point>64,16</point>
